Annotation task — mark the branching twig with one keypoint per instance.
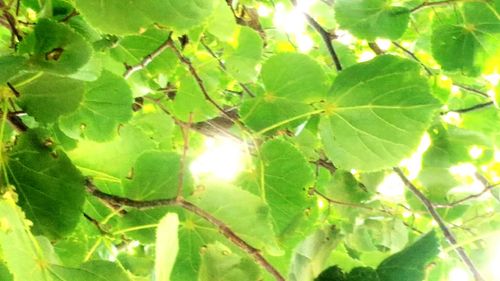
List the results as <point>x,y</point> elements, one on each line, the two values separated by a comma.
<point>147,59</point>
<point>326,36</point>
<point>471,108</point>
<point>181,202</point>
<point>198,79</point>
<point>442,225</point>
<point>97,224</point>
<point>472,90</point>
<point>413,56</point>
<point>223,67</point>
<point>467,198</point>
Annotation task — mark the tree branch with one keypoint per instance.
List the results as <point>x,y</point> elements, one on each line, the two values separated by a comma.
<point>471,108</point>
<point>223,67</point>
<point>147,59</point>
<point>325,35</point>
<point>442,225</point>
<point>181,202</point>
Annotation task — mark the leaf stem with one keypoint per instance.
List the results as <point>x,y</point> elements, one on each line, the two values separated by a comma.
<point>442,225</point>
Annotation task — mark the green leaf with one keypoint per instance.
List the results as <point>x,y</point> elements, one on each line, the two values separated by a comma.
<point>219,263</point>
<point>155,176</point>
<point>222,24</point>
<point>56,48</point>
<point>243,55</point>
<point>333,273</point>
<point>311,254</point>
<point>344,187</point>
<point>261,114</point>
<point>50,188</point>
<point>294,76</point>
<point>10,66</point>
<point>459,42</point>
<point>362,274</point>
<point>190,101</point>
<point>118,17</point>
<point>376,114</point>
<point>246,214</point>
<point>287,177</point>
<point>21,253</point>
<point>167,246</point>
<point>97,270</point>
<point>46,97</point>
<point>111,160</point>
<point>107,102</point>
<point>132,49</point>
<point>369,19</point>
<point>409,264</point>
<point>5,274</point>
<point>179,14</point>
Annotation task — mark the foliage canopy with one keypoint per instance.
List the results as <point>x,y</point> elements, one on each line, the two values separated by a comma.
<point>248,140</point>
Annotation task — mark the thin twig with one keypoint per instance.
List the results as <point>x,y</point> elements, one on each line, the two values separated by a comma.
<point>467,198</point>
<point>427,4</point>
<point>198,80</point>
<point>326,36</point>
<point>97,224</point>
<point>361,206</point>
<point>472,90</point>
<point>375,48</point>
<point>413,56</point>
<point>470,108</point>
<point>180,202</point>
<point>233,237</point>
<point>147,59</point>
<point>437,218</point>
<point>182,164</point>
<point>223,67</point>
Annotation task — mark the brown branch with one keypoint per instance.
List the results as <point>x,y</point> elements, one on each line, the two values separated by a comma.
<point>181,202</point>
<point>326,36</point>
<point>223,67</point>
<point>97,224</point>
<point>375,48</point>
<point>233,237</point>
<point>147,59</point>
<point>471,108</point>
<point>442,225</point>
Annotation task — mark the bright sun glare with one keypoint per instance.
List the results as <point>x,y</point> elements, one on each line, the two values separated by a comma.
<point>222,159</point>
